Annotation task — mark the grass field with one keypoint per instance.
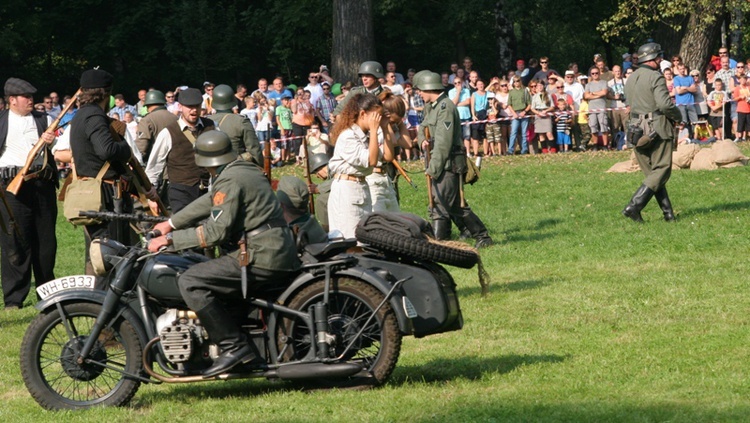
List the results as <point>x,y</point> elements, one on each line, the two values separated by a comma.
<point>590,318</point>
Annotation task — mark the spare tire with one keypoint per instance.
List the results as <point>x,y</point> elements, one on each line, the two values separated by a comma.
<point>418,249</point>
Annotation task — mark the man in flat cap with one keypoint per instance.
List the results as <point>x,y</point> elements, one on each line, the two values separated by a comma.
<point>95,146</point>
<point>35,206</point>
<point>294,197</point>
<point>173,149</point>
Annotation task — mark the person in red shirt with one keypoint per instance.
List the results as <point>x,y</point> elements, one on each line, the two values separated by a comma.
<point>741,94</point>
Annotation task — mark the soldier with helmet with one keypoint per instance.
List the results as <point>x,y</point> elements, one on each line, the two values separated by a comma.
<point>651,130</point>
<point>239,128</point>
<point>156,119</point>
<point>242,214</point>
<point>319,167</point>
<point>370,73</point>
<point>447,164</point>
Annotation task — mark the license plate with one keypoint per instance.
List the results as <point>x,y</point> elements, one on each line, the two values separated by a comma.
<point>67,283</point>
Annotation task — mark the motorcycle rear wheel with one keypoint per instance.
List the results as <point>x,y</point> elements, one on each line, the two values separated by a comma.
<point>351,303</point>
<point>57,381</point>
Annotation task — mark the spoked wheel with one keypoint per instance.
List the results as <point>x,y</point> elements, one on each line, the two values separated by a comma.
<point>351,303</point>
<point>54,377</point>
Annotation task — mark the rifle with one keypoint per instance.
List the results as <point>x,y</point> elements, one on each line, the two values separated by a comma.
<point>143,184</point>
<point>427,165</point>
<point>402,172</point>
<point>15,185</point>
<point>129,217</point>
<point>307,175</point>
<point>267,160</point>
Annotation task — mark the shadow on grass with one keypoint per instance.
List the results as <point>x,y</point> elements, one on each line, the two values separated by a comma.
<point>515,234</point>
<point>472,368</point>
<point>742,205</point>
<point>497,287</point>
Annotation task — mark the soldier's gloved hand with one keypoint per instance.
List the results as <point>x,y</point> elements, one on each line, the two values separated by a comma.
<point>156,244</point>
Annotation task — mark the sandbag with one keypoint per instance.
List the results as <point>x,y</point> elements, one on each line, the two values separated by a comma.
<point>684,155</point>
<point>703,160</point>
<point>726,151</point>
<point>731,165</point>
<point>624,167</point>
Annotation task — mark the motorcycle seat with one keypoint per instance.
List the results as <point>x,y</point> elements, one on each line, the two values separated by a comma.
<point>328,249</point>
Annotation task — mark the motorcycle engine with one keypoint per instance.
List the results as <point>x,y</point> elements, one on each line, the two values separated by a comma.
<point>178,333</point>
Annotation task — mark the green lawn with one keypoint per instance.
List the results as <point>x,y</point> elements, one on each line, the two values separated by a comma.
<point>590,317</point>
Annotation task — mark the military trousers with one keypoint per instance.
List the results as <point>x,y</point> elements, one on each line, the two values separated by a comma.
<point>446,198</point>
<point>655,162</point>
<point>35,212</point>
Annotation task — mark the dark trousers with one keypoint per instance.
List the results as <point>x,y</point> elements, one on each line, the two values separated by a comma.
<point>35,212</point>
<point>446,197</point>
<point>219,279</point>
<point>181,195</point>
<point>656,163</point>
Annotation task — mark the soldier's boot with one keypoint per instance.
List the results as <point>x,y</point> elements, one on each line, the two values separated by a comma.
<point>637,203</point>
<point>442,228</point>
<point>462,230</point>
<point>225,333</point>
<point>666,206</point>
<point>477,229</point>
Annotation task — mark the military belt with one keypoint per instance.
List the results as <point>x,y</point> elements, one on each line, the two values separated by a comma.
<point>264,227</point>
<point>645,115</point>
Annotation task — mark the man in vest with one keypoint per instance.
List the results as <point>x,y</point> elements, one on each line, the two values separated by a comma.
<point>35,206</point>
<point>157,118</point>
<point>173,149</point>
<point>238,127</point>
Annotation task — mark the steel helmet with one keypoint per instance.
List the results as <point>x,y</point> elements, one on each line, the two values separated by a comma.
<point>649,51</point>
<point>213,148</point>
<point>370,68</point>
<point>431,81</point>
<point>317,161</point>
<point>418,77</point>
<point>155,97</point>
<point>223,99</point>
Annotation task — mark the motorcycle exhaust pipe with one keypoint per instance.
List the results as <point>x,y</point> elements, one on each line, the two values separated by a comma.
<point>317,370</point>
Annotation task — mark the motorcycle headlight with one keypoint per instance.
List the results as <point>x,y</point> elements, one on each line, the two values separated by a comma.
<point>101,254</point>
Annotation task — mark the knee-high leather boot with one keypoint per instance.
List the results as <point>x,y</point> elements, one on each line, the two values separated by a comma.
<point>477,229</point>
<point>225,333</point>
<point>442,228</point>
<point>637,203</point>
<point>666,206</point>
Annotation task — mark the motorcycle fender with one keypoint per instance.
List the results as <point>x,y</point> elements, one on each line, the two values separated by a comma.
<point>96,297</point>
<point>367,276</point>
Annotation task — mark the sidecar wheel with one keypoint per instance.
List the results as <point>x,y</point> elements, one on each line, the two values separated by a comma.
<point>53,376</point>
<point>419,249</point>
<point>351,303</point>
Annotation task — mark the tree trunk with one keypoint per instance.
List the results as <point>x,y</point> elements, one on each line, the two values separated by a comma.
<point>505,39</point>
<point>353,38</point>
<point>697,41</point>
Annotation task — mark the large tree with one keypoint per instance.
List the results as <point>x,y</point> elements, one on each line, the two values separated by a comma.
<point>353,37</point>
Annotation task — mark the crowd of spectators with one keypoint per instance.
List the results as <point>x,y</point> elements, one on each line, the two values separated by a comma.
<point>530,109</point>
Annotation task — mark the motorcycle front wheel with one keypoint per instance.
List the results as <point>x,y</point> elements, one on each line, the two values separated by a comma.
<point>350,305</point>
<point>54,377</point>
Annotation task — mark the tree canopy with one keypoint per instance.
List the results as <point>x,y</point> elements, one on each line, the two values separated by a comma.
<point>166,44</point>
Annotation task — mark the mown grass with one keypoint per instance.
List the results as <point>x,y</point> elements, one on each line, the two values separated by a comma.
<point>590,316</point>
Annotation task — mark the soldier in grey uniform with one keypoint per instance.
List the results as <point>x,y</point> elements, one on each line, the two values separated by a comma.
<point>651,129</point>
<point>370,72</point>
<point>294,197</point>
<point>319,166</point>
<point>448,163</point>
<point>240,207</point>
<point>239,128</point>
<point>157,118</point>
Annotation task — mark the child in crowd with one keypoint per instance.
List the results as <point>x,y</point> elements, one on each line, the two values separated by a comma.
<point>276,158</point>
<point>265,120</point>
<point>563,119</point>
<point>492,129</point>
<point>284,122</point>
<point>583,123</point>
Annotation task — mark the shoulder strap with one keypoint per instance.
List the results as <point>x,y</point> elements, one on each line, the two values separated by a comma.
<point>102,171</point>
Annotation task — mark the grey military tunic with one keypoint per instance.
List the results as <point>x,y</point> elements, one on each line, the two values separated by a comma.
<point>242,134</point>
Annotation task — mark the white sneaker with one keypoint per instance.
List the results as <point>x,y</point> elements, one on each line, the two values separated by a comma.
<point>738,139</point>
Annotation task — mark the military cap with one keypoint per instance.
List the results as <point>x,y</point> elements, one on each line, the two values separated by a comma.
<point>293,192</point>
<point>96,78</point>
<point>16,86</point>
<point>191,97</point>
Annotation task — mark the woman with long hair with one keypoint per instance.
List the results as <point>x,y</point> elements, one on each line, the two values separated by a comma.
<point>355,137</point>
<point>541,106</point>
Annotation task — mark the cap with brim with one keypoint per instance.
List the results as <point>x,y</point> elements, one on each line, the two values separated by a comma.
<point>286,96</point>
<point>520,62</point>
<point>191,97</point>
<point>293,192</point>
<point>582,77</point>
<point>570,72</point>
<point>626,56</point>
<point>96,78</point>
<point>695,72</point>
<point>17,86</point>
